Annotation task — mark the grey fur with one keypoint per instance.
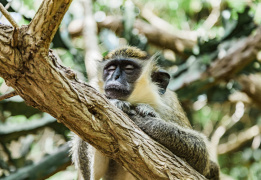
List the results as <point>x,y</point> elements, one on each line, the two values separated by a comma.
<point>183,142</point>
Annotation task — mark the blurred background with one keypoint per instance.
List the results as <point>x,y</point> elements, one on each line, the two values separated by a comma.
<point>211,48</point>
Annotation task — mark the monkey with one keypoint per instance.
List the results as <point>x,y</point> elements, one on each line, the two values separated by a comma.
<point>134,83</point>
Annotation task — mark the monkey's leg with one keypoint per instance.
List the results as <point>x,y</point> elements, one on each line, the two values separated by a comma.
<point>100,164</point>
<point>117,172</point>
<point>92,164</point>
<point>213,172</point>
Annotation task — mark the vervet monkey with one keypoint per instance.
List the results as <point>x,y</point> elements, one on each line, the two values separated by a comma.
<point>135,84</point>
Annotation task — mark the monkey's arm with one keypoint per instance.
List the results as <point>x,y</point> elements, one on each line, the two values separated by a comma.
<point>185,143</point>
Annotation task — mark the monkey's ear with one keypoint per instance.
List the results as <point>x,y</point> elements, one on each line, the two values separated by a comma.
<point>162,78</point>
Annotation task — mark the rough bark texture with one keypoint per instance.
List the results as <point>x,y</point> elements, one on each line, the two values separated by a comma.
<point>32,70</point>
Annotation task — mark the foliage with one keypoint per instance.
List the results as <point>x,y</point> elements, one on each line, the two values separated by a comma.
<point>209,108</point>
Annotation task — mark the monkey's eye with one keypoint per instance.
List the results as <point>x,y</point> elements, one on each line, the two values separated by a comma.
<point>111,68</point>
<point>129,68</point>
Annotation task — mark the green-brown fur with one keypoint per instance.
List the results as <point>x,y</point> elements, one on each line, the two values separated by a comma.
<point>128,51</point>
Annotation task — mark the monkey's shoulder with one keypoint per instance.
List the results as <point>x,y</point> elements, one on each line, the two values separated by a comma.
<point>172,111</point>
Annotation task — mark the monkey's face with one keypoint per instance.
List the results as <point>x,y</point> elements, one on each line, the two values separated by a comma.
<point>119,76</point>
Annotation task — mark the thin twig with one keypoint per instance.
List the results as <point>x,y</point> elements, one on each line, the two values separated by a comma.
<point>8,95</point>
<point>7,6</point>
<point>8,16</point>
<point>214,15</point>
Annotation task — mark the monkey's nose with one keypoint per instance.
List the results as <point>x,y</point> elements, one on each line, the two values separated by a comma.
<point>116,74</point>
<point>117,77</point>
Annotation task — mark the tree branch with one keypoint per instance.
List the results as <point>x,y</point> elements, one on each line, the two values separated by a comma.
<point>237,58</point>
<point>166,27</point>
<point>13,132</point>
<point>214,15</point>
<point>241,139</point>
<point>164,38</point>
<point>156,36</point>
<point>8,16</point>
<point>47,20</point>
<point>223,68</point>
<point>48,166</point>
<point>43,83</point>
<point>251,86</point>
<point>8,95</point>
<point>92,53</point>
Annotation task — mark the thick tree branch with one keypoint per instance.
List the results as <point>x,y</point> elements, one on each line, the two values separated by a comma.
<point>37,77</point>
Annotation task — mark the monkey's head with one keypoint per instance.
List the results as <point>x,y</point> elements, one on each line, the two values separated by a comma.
<point>130,74</point>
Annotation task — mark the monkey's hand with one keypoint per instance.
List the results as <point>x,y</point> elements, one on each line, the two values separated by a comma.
<point>122,105</point>
<point>145,110</point>
<point>141,114</point>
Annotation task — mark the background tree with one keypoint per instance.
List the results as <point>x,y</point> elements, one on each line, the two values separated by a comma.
<point>211,49</point>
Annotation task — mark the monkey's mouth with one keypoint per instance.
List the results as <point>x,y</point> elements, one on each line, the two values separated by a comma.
<point>117,92</point>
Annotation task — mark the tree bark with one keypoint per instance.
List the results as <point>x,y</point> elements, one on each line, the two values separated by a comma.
<point>33,71</point>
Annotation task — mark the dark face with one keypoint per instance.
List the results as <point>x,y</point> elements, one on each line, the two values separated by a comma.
<point>119,77</point>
